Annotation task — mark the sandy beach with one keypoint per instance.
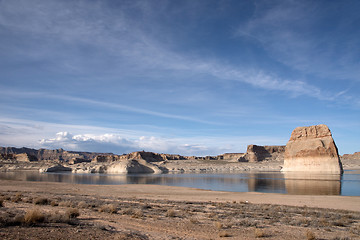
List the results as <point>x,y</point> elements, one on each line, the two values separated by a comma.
<point>164,212</point>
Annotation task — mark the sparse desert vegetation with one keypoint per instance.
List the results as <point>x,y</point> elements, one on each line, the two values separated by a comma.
<point>112,217</point>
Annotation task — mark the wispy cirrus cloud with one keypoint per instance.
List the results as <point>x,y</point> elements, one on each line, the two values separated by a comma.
<point>117,36</point>
<point>96,103</point>
<point>293,33</point>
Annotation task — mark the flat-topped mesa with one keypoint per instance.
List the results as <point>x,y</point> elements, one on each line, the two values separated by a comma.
<point>312,149</point>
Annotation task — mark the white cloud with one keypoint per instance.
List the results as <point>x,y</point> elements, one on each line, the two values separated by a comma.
<point>20,133</point>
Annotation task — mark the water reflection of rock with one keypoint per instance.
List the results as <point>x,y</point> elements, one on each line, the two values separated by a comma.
<point>313,184</point>
<point>266,182</point>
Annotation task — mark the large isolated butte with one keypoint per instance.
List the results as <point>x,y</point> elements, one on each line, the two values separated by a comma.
<point>312,149</point>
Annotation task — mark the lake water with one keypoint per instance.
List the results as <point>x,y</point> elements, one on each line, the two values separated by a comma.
<point>347,184</point>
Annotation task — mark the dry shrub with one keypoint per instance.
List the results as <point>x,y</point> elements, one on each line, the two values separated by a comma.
<point>259,233</point>
<point>310,235</point>
<point>72,213</point>
<point>28,200</point>
<point>109,208</point>
<point>41,201</point>
<point>34,216</point>
<point>212,215</point>
<point>7,198</point>
<point>128,211</point>
<point>83,204</point>
<point>194,220</point>
<point>224,234</point>
<point>17,198</point>
<point>171,213</point>
<point>146,206</point>
<point>65,204</point>
<point>57,217</point>
<point>138,214</point>
<point>218,225</point>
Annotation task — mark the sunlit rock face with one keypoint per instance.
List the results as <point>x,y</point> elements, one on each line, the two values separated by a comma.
<point>312,149</point>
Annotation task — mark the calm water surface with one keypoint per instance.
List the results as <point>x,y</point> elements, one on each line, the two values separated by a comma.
<point>347,184</point>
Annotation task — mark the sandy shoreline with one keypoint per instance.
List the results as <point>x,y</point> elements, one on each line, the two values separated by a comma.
<point>159,192</point>
<point>164,212</point>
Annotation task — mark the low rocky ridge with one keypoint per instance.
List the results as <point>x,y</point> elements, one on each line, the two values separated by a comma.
<point>354,156</point>
<point>136,162</point>
<point>312,149</point>
<point>61,155</point>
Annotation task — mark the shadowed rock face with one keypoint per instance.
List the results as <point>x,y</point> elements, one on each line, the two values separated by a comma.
<point>257,153</point>
<point>312,149</point>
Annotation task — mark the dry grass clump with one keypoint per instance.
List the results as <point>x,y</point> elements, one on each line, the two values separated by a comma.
<point>83,204</point>
<point>259,233</point>
<point>218,225</point>
<point>310,235</point>
<point>6,197</point>
<point>128,211</point>
<point>27,200</point>
<point>17,198</point>
<point>224,234</point>
<point>66,217</point>
<point>138,214</point>
<point>41,201</point>
<point>170,213</point>
<point>194,220</point>
<point>65,204</point>
<point>108,208</point>
<point>57,217</point>
<point>72,213</point>
<point>34,216</point>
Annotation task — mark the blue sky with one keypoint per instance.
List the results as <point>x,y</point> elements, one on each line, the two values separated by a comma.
<point>186,77</point>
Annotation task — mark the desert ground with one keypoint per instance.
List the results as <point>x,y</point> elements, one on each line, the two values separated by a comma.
<point>44,210</point>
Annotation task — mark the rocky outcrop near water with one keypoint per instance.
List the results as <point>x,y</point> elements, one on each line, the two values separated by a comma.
<point>257,153</point>
<point>56,168</point>
<point>309,149</point>
<point>312,149</point>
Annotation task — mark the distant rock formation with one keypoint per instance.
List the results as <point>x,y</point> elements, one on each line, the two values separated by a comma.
<point>257,153</point>
<point>55,168</point>
<point>230,156</point>
<point>312,149</point>
<point>59,155</point>
<point>133,166</point>
<point>25,157</point>
<point>354,156</point>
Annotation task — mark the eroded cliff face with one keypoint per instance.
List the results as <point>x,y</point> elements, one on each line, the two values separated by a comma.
<point>257,153</point>
<point>312,149</point>
<point>354,156</point>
